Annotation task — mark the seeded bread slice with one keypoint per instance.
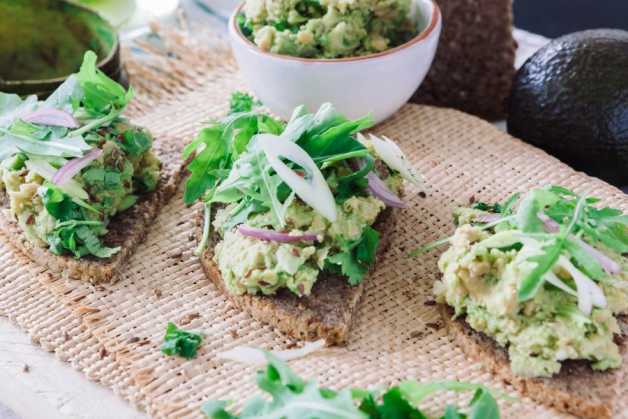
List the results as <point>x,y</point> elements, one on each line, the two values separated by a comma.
<point>576,389</point>
<point>326,313</point>
<point>127,229</point>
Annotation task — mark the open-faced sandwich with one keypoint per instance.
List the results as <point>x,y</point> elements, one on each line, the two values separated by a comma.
<point>538,293</point>
<point>294,214</point>
<point>79,182</point>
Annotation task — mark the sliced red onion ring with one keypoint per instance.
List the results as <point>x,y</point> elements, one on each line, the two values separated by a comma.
<point>609,265</point>
<point>52,116</point>
<point>379,190</point>
<point>74,166</point>
<point>275,236</point>
<point>551,226</point>
<point>488,218</point>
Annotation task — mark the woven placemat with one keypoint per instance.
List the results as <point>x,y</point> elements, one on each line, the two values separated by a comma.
<point>113,332</point>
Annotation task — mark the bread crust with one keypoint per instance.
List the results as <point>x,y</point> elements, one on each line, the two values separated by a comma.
<point>327,313</point>
<point>127,229</point>
<point>576,389</point>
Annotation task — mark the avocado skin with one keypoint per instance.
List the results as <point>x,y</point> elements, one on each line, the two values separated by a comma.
<point>571,99</point>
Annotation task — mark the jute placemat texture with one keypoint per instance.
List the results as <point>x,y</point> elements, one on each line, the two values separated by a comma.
<point>112,333</point>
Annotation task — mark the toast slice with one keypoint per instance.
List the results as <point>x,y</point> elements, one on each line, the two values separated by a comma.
<point>127,229</point>
<point>577,389</point>
<point>326,313</point>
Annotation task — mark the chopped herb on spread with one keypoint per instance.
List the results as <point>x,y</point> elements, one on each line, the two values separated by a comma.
<point>72,162</point>
<point>292,397</point>
<point>181,342</point>
<point>290,201</point>
<point>546,279</point>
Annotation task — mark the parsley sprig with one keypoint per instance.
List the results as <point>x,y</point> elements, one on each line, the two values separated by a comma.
<point>292,397</point>
<point>181,342</point>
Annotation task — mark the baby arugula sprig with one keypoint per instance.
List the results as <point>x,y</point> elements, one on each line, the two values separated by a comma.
<point>292,397</point>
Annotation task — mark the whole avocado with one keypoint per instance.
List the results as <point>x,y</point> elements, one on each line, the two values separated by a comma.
<point>571,99</point>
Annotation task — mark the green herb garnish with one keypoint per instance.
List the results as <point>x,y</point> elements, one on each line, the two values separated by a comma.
<point>242,102</point>
<point>295,398</point>
<point>560,219</point>
<point>181,342</point>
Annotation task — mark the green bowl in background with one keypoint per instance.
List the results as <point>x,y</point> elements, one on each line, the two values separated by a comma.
<point>43,41</point>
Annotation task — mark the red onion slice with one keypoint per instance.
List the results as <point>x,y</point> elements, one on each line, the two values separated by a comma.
<point>609,265</point>
<point>379,190</point>
<point>275,236</point>
<point>53,117</point>
<point>74,166</point>
<point>551,226</point>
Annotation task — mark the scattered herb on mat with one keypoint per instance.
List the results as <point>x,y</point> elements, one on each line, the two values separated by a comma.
<point>181,342</point>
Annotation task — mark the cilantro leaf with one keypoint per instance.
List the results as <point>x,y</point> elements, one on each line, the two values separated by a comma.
<point>181,342</point>
<point>58,204</point>
<point>80,238</point>
<point>241,102</point>
<point>355,257</point>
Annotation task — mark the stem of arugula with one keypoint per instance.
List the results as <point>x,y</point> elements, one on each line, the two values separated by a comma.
<point>206,228</point>
<point>95,123</point>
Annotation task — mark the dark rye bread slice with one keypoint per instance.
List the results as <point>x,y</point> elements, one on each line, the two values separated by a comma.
<point>126,229</point>
<point>576,389</point>
<point>326,313</point>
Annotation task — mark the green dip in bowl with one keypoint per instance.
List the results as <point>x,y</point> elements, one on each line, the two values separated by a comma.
<point>43,41</point>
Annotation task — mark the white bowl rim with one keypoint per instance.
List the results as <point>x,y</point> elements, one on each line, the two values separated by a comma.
<point>424,34</point>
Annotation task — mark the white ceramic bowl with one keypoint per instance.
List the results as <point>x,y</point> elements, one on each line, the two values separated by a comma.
<point>378,84</point>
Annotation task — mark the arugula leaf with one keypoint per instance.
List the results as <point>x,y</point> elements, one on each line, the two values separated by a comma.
<point>213,156</point>
<point>291,397</point>
<point>534,202</point>
<point>545,261</point>
<point>483,405</point>
<point>67,96</point>
<point>584,260</point>
<point>241,102</point>
<point>101,94</point>
<point>12,107</point>
<point>181,342</point>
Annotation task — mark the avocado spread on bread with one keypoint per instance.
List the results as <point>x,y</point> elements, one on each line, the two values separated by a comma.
<point>289,201</point>
<point>72,162</point>
<point>546,280</point>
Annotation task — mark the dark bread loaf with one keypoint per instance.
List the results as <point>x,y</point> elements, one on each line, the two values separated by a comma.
<point>474,64</point>
<point>576,389</point>
<point>326,313</point>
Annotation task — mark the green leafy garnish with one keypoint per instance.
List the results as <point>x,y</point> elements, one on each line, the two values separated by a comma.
<point>242,102</point>
<point>101,94</point>
<point>560,219</point>
<point>356,257</point>
<point>295,398</point>
<point>136,142</point>
<point>181,342</point>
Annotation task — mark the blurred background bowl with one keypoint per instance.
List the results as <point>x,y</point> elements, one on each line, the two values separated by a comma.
<point>378,84</point>
<point>43,41</point>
